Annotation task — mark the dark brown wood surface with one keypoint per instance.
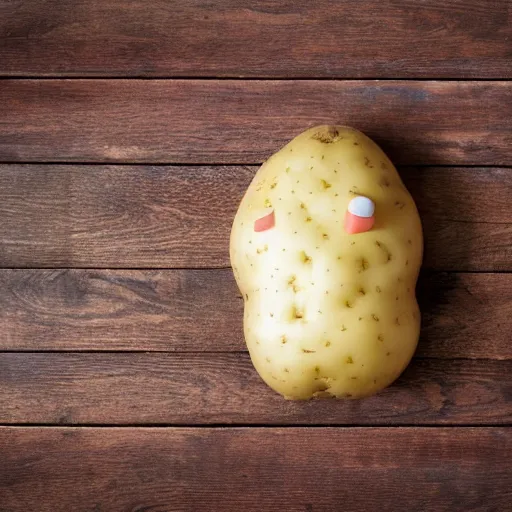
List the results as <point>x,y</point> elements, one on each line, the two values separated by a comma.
<point>197,389</point>
<point>239,121</point>
<point>294,469</point>
<point>299,38</point>
<point>129,132</point>
<point>172,216</point>
<point>201,311</point>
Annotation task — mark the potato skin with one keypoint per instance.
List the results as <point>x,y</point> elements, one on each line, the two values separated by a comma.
<point>328,313</point>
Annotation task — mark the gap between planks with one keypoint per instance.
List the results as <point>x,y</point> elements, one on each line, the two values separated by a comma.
<point>267,78</point>
<point>210,352</point>
<point>259,426</point>
<point>127,163</point>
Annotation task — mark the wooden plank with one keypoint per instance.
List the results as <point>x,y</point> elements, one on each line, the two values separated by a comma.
<point>354,38</point>
<point>464,315</point>
<point>162,216</point>
<point>233,121</point>
<point>193,389</point>
<point>84,470</point>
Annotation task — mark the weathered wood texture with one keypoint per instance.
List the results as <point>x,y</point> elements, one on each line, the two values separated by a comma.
<point>299,38</point>
<point>196,389</point>
<point>159,216</point>
<point>228,470</point>
<point>231,121</point>
<point>464,315</point>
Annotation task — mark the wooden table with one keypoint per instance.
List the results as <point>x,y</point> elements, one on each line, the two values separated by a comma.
<point>128,133</point>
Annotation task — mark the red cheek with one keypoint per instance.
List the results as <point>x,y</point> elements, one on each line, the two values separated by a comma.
<point>355,224</point>
<point>265,223</point>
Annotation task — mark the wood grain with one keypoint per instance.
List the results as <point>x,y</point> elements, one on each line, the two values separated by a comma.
<point>228,470</point>
<point>233,121</point>
<point>354,38</point>
<point>192,389</point>
<point>164,216</point>
<point>464,315</point>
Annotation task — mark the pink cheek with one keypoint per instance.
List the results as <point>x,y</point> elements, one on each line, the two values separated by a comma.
<point>265,223</point>
<point>355,224</point>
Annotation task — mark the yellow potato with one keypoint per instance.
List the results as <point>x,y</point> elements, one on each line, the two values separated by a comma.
<point>327,313</point>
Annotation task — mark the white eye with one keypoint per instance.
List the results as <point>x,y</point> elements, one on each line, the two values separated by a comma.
<point>361,206</point>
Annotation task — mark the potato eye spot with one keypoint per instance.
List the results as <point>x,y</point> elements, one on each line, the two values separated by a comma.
<point>349,360</point>
<point>326,185</point>
<point>306,351</point>
<point>380,337</point>
<point>361,291</point>
<point>363,265</point>
<point>286,370</point>
<point>303,206</point>
<point>308,219</point>
<point>367,162</point>
<point>327,343</point>
<point>284,340</point>
<point>384,182</point>
<point>297,313</point>
<point>380,245</point>
<point>343,328</point>
<point>304,257</point>
<point>375,317</point>
<point>348,304</point>
<point>267,203</point>
<point>325,236</point>
<point>377,289</point>
<point>327,135</point>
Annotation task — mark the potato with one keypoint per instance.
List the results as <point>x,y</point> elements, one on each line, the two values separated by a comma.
<point>328,312</point>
